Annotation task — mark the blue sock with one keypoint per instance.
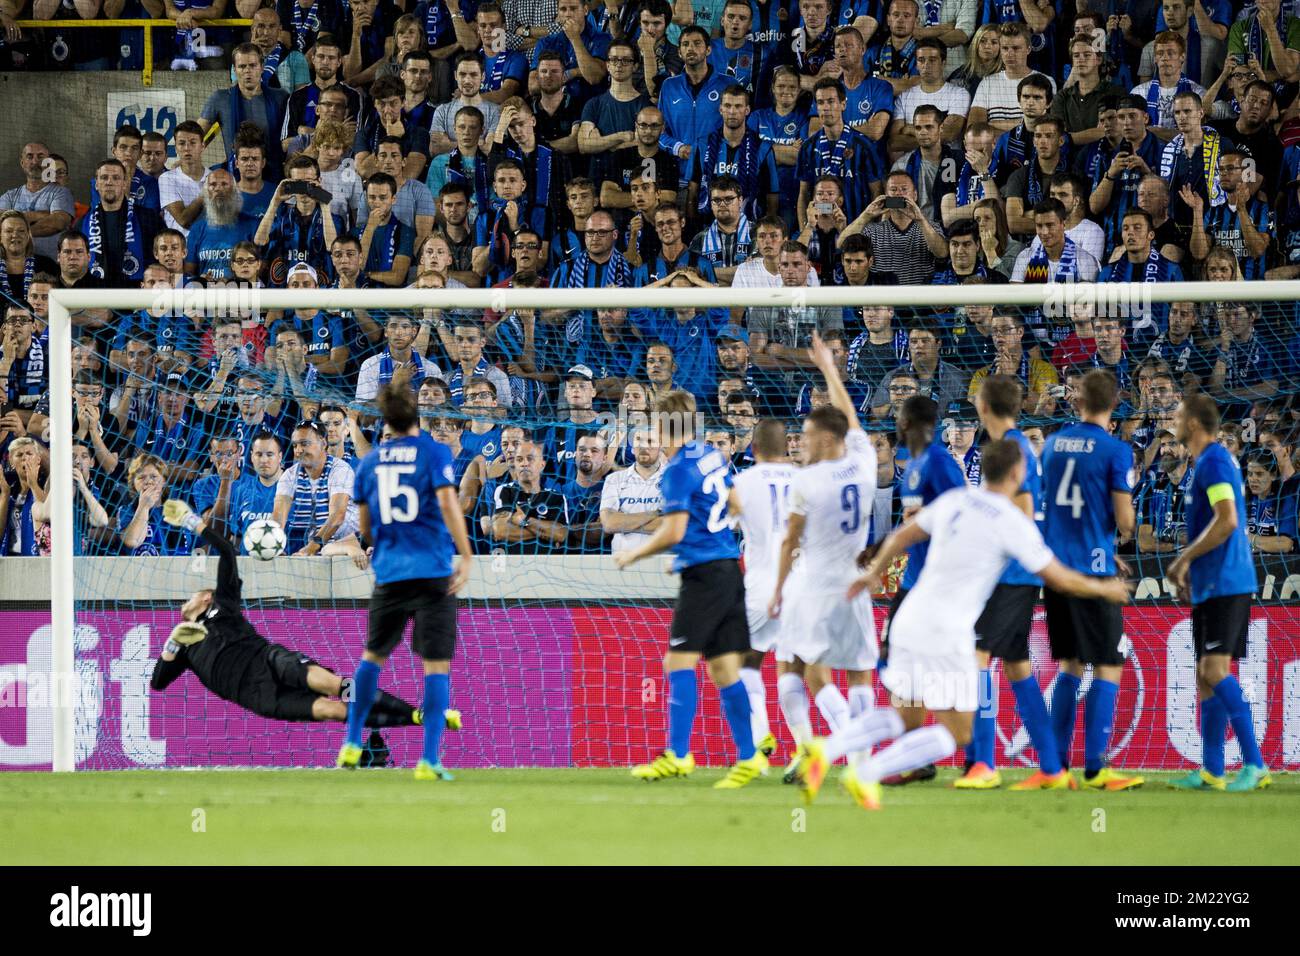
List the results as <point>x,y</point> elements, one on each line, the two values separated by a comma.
<point>985,727</point>
<point>1237,707</point>
<point>1065,693</point>
<point>1033,713</point>
<point>364,685</point>
<point>735,704</point>
<point>1098,722</point>
<point>437,698</point>
<point>1214,727</point>
<point>683,691</point>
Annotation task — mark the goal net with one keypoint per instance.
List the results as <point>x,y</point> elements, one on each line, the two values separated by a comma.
<point>543,396</point>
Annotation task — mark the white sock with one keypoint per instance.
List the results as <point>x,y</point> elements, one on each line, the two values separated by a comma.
<point>832,706</point>
<point>753,682</point>
<point>864,732</point>
<point>914,749</point>
<point>862,700</point>
<point>794,706</point>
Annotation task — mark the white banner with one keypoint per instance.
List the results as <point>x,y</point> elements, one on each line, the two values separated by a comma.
<point>149,111</point>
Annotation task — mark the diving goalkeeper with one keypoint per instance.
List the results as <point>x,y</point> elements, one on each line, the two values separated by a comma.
<point>233,661</point>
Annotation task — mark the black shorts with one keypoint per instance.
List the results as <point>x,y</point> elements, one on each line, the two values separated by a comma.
<point>424,600</point>
<point>278,685</point>
<point>1221,625</point>
<point>710,617</point>
<point>1087,630</point>
<point>1003,627</point>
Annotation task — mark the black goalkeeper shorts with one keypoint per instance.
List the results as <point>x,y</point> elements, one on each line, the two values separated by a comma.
<point>422,600</point>
<point>278,685</point>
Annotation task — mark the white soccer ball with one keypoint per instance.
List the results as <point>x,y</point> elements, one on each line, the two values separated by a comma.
<point>265,539</point>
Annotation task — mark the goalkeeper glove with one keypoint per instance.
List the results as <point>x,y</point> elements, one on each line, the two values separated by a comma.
<point>187,633</point>
<point>178,514</point>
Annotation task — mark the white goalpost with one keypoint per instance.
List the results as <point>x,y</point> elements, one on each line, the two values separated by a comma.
<point>62,303</point>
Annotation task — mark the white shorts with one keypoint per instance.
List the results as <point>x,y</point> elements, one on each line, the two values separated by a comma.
<point>935,681</point>
<point>763,630</point>
<point>823,627</point>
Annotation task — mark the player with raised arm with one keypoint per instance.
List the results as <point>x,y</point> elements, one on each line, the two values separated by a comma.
<point>236,663</point>
<point>1215,572</point>
<point>1004,626</point>
<point>408,506</point>
<point>710,619</point>
<point>760,501</point>
<point>830,520</point>
<point>931,470</point>
<point>973,533</point>
<point>1088,483</point>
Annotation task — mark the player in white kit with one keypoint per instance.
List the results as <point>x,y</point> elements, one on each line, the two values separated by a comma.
<point>973,533</point>
<point>830,519</point>
<point>760,497</point>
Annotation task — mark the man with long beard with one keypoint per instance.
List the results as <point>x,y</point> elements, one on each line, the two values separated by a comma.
<point>215,232</point>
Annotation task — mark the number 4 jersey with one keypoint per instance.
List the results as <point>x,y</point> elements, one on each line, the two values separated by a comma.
<point>698,481</point>
<point>835,497</point>
<point>398,482</point>
<point>1082,465</point>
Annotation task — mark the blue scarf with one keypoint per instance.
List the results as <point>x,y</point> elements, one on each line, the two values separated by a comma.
<point>310,247</point>
<point>541,183</point>
<point>29,380</point>
<point>1153,271</point>
<point>481,187</point>
<point>310,509</point>
<point>585,274</point>
<point>1039,268</point>
<point>133,261</point>
<point>389,251</point>
<point>305,23</point>
<point>714,244</point>
<point>1153,96</point>
<point>271,64</point>
<point>387,368</point>
<point>29,272</point>
<point>433,23</point>
<point>166,441</point>
<point>1210,146</point>
<point>933,12</point>
<point>745,166</point>
<point>1255,42</point>
<point>494,72</point>
<point>964,192</point>
<point>894,63</point>
<point>830,159</point>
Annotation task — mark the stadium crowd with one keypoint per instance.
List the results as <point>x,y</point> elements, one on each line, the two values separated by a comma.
<point>536,143</point>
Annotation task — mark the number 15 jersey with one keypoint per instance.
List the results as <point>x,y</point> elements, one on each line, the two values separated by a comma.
<point>835,498</point>
<point>398,482</point>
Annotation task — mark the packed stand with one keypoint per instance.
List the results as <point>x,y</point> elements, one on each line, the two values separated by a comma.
<point>536,143</point>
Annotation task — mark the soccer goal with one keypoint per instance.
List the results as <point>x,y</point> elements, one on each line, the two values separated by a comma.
<point>546,394</point>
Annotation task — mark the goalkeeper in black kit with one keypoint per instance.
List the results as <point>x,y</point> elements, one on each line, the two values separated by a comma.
<point>236,663</point>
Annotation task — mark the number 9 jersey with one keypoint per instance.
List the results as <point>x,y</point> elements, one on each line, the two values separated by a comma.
<point>398,483</point>
<point>836,498</point>
<point>698,481</point>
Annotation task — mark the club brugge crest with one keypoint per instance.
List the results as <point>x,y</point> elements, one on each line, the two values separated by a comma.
<point>713,96</point>
<point>489,449</point>
<point>791,127</point>
<point>541,511</point>
<point>914,479</point>
<point>130,264</point>
<point>864,107</point>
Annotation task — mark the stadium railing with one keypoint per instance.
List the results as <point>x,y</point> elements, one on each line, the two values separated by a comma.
<point>145,25</point>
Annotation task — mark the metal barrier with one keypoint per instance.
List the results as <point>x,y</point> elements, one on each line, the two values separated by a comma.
<point>146,73</point>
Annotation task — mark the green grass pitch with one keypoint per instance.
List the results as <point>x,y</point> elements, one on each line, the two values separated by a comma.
<point>604,817</point>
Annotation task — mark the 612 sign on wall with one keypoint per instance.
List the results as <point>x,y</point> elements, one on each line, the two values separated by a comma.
<point>149,111</point>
